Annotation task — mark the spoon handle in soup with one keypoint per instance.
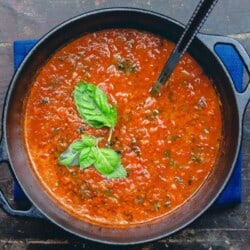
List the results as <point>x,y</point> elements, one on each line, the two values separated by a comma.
<point>196,21</point>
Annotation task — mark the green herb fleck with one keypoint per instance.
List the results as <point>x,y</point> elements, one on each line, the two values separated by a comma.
<point>156,206</point>
<point>45,100</point>
<point>168,153</point>
<point>126,66</point>
<point>196,155</point>
<point>139,200</point>
<point>173,137</point>
<point>179,179</point>
<point>173,163</point>
<point>108,192</point>
<point>196,158</point>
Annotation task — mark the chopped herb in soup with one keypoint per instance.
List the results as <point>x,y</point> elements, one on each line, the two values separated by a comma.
<point>106,150</point>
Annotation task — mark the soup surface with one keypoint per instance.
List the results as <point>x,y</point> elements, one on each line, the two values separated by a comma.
<point>167,144</point>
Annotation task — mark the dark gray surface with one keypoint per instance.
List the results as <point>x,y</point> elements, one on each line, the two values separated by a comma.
<point>224,228</point>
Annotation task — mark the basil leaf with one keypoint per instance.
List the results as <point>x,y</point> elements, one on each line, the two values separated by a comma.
<point>87,157</point>
<point>119,172</point>
<point>93,107</point>
<point>101,99</point>
<point>69,158</point>
<point>88,141</point>
<point>77,145</point>
<point>106,161</point>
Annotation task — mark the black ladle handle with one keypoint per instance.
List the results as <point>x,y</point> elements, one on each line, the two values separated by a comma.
<point>196,21</point>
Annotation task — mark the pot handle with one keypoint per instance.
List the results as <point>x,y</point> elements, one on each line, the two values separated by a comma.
<point>32,212</point>
<point>211,41</point>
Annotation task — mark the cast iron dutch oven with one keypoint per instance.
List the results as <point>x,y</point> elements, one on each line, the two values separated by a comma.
<point>202,49</point>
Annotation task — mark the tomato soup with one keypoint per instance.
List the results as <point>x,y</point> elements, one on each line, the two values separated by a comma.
<point>167,144</point>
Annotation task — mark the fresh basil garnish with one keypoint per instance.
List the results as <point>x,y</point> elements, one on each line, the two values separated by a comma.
<point>118,172</point>
<point>87,157</point>
<point>69,158</point>
<point>93,107</point>
<point>107,160</point>
<point>85,153</point>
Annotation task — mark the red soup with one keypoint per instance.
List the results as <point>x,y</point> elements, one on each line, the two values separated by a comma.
<point>167,144</point>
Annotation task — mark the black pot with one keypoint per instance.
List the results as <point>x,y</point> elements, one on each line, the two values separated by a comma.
<point>202,49</point>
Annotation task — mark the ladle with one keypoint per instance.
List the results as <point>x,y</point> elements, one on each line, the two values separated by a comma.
<point>196,21</point>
